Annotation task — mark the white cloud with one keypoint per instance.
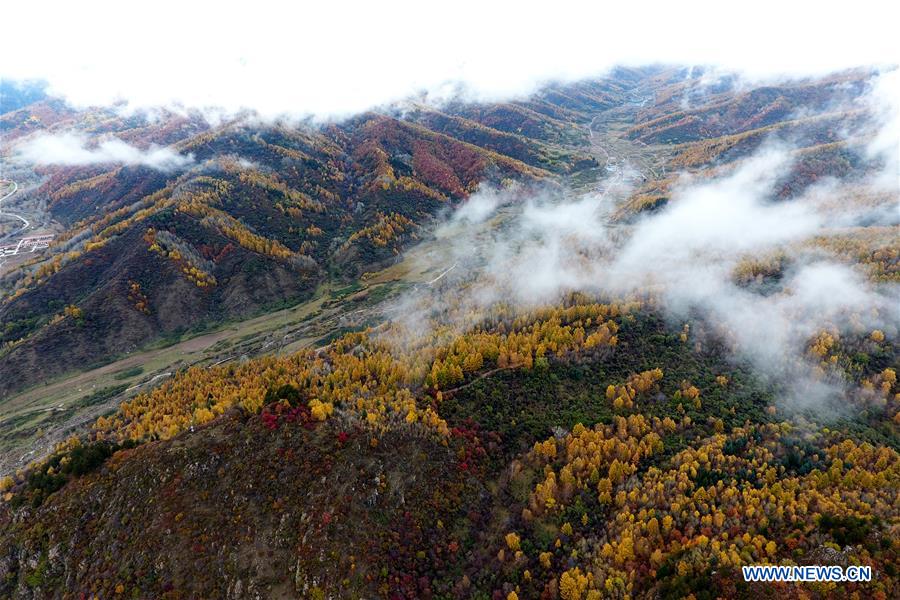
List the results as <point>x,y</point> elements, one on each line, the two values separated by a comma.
<point>74,149</point>
<point>685,255</point>
<point>336,58</point>
<point>884,101</point>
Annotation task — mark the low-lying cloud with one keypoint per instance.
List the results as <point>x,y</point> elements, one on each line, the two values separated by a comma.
<point>884,102</point>
<point>528,248</point>
<point>72,149</point>
<point>329,59</point>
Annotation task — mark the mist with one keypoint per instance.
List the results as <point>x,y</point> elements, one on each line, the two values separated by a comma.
<point>69,149</point>
<point>525,248</point>
<point>336,59</point>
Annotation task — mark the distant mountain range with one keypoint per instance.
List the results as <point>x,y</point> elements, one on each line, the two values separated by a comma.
<point>264,212</point>
<point>306,393</point>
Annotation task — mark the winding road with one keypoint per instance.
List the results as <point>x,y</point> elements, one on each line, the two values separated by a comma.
<point>630,164</point>
<point>25,244</point>
<point>25,223</point>
<point>608,166</point>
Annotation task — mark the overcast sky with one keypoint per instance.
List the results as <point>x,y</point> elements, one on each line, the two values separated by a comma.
<point>335,58</point>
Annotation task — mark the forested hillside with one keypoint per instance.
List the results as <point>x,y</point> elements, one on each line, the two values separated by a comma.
<point>554,365</point>
<point>258,217</point>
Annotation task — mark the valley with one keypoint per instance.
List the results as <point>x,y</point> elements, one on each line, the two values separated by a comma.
<point>615,339</point>
<point>34,421</point>
<point>19,236</point>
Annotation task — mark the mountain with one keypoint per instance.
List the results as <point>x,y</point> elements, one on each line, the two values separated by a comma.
<point>264,215</point>
<point>318,360</point>
<point>422,493</point>
<point>15,95</point>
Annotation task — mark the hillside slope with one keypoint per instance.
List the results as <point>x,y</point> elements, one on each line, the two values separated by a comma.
<point>262,215</point>
<point>428,426</point>
<point>479,489</point>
